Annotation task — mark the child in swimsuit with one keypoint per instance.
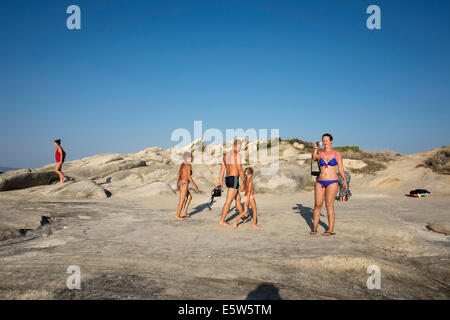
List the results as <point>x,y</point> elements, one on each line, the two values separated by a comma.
<point>249,199</point>
<point>184,177</point>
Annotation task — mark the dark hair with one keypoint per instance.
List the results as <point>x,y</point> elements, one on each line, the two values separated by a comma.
<point>328,135</point>
<point>249,170</point>
<point>58,142</point>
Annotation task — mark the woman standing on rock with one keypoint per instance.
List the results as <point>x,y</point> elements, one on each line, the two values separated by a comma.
<point>183,178</point>
<point>327,184</point>
<point>60,156</point>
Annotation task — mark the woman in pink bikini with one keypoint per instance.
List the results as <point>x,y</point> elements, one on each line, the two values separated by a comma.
<point>327,184</point>
<point>60,156</point>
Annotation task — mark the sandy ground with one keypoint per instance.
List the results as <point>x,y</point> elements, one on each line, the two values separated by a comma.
<point>134,249</point>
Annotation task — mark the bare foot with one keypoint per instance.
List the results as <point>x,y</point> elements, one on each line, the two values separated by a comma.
<point>256,226</point>
<point>235,224</point>
<point>223,224</point>
<point>185,215</point>
<point>179,218</point>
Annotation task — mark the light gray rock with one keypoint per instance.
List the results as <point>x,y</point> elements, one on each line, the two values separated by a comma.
<point>13,172</point>
<point>304,156</point>
<point>298,145</point>
<point>98,171</point>
<point>23,180</point>
<point>84,189</point>
<point>353,164</point>
<point>127,178</point>
<point>158,189</point>
<point>289,178</point>
<point>149,154</point>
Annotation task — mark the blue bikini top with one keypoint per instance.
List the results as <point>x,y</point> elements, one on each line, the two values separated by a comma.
<point>333,162</point>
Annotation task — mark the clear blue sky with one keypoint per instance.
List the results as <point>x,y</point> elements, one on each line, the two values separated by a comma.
<point>140,69</point>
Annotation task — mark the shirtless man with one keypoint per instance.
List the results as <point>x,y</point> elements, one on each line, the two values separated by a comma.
<point>231,163</point>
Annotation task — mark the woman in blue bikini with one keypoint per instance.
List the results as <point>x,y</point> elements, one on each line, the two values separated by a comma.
<point>327,184</point>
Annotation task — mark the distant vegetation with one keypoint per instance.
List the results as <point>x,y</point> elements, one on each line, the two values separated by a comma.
<point>308,145</point>
<point>383,156</point>
<point>267,144</point>
<point>375,161</point>
<point>439,162</point>
<point>346,148</point>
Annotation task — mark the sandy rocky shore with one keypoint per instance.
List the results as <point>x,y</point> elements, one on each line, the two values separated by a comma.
<point>115,220</point>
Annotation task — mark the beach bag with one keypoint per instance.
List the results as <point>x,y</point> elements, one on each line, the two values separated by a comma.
<point>317,172</point>
<point>418,193</point>
<point>216,192</point>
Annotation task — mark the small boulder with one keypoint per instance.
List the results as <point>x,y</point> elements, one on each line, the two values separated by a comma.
<point>304,156</point>
<point>298,145</point>
<point>158,189</point>
<point>353,164</point>
<point>23,180</point>
<point>288,151</point>
<point>84,189</point>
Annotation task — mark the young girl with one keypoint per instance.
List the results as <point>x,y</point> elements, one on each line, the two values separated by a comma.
<point>249,198</point>
<point>183,179</point>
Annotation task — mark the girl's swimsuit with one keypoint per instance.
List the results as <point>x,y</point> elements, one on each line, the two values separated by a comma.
<point>180,183</point>
<point>333,162</point>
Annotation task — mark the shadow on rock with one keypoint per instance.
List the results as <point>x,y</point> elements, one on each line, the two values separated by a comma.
<point>264,291</point>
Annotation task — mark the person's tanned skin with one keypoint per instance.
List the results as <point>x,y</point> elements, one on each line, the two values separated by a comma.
<point>248,200</point>
<point>231,164</point>
<point>58,165</point>
<point>184,175</point>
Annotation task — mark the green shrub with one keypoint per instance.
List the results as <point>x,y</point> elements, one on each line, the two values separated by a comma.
<point>439,162</point>
<point>375,161</point>
<point>267,144</point>
<point>383,156</point>
<point>346,148</point>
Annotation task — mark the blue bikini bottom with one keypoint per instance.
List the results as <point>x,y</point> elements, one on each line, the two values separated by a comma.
<point>326,183</point>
